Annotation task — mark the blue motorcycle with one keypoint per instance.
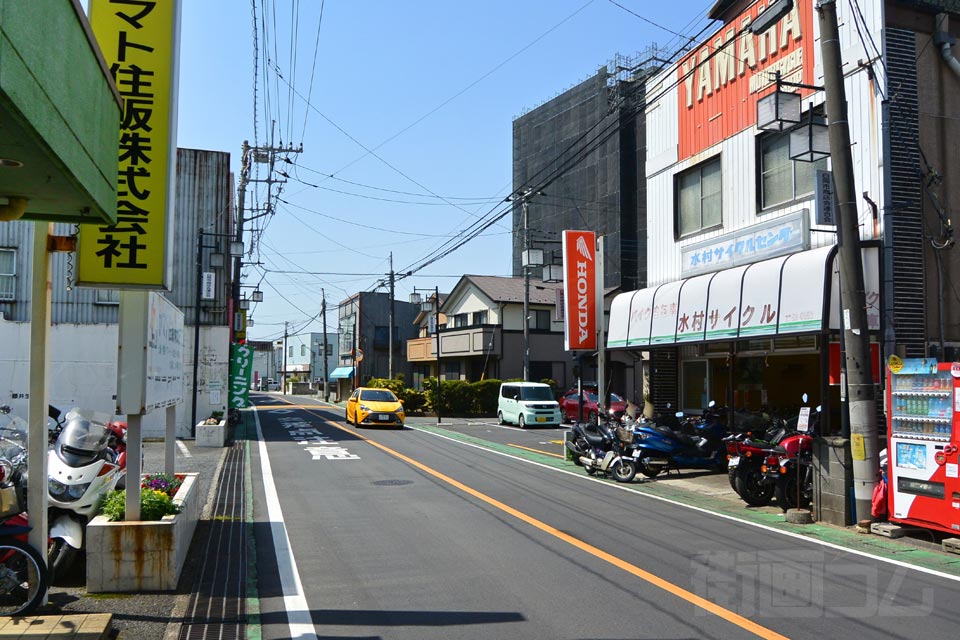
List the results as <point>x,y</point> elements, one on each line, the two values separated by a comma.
<point>696,443</point>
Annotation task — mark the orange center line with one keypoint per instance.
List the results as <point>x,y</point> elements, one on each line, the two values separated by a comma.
<point>653,579</point>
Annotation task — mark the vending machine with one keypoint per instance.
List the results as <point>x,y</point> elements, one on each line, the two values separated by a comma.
<point>923,400</point>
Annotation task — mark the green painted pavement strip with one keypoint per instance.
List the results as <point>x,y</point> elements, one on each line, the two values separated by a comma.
<point>847,538</point>
<point>254,631</point>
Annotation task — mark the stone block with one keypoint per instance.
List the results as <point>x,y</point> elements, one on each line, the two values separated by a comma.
<point>887,530</point>
<point>951,545</point>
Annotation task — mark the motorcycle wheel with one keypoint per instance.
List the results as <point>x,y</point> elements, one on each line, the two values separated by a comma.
<point>786,493</point>
<point>23,578</point>
<point>624,470</point>
<point>648,470</point>
<point>590,469</point>
<point>732,477</point>
<point>60,557</point>
<point>750,489</point>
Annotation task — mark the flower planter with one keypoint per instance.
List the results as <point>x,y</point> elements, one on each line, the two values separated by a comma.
<point>133,556</point>
<point>211,435</point>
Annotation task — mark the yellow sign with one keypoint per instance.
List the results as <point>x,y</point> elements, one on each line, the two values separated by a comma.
<point>857,448</point>
<point>139,41</point>
<point>895,364</point>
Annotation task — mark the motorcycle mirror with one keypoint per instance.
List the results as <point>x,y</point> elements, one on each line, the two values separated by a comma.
<point>712,404</point>
<point>53,412</point>
<point>4,409</point>
<point>679,414</point>
<point>669,405</point>
<point>819,407</point>
<point>804,398</point>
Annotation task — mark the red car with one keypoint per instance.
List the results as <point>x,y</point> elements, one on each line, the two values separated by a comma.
<point>569,406</point>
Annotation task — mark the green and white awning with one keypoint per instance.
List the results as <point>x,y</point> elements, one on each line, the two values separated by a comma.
<point>785,295</point>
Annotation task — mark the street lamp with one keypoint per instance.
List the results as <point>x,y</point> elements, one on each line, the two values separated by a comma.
<point>215,261</point>
<point>434,306</point>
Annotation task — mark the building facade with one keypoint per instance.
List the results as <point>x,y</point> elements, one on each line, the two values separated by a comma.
<point>364,338</point>
<point>83,336</point>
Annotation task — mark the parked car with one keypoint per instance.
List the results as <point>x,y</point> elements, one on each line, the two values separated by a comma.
<point>569,405</point>
<point>524,403</point>
<point>369,406</point>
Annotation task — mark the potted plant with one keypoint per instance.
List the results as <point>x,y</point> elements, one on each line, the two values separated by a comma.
<point>212,431</point>
<point>146,554</point>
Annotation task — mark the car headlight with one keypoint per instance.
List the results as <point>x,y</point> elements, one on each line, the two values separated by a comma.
<point>56,488</point>
<point>364,407</point>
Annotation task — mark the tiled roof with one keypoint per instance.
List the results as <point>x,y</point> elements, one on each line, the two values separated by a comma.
<point>501,289</point>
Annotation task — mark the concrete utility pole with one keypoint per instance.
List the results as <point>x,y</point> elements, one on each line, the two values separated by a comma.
<point>323,312</point>
<point>390,330</point>
<point>526,289</point>
<point>283,378</point>
<point>861,391</point>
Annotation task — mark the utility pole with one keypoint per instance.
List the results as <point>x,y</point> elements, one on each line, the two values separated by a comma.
<point>436,322</point>
<point>526,289</point>
<point>859,378</point>
<point>323,312</point>
<point>283,378</point>
<point>390,331</point>
<point>196,334</point>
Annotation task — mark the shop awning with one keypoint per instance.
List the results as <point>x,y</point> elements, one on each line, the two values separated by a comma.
<point>341,372</point>
<point>785,295</point>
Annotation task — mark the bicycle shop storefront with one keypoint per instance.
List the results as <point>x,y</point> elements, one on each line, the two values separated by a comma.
<point>752,337</point>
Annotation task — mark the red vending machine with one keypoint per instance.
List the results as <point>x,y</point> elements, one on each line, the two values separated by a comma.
<point>923,400</point>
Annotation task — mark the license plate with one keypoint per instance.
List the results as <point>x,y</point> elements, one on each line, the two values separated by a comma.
<point>541,418</point>
<point>734,461</point>
<point>383,417</point>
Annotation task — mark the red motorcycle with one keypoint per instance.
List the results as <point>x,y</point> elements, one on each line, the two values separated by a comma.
<point>789,468</point>
<point>746,459</point>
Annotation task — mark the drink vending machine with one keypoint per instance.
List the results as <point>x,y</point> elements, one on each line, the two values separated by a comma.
<point>923,401</point>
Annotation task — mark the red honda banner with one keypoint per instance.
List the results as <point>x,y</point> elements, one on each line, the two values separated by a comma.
<point>580,290</point>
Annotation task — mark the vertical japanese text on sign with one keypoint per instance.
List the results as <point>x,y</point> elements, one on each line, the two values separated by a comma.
<point>139,40</point>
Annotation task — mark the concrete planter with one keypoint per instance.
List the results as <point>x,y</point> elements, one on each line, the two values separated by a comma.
<point>133,556</point>
<point>211,435</point>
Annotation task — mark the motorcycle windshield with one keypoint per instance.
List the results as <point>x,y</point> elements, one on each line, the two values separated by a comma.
<point>83,433</point>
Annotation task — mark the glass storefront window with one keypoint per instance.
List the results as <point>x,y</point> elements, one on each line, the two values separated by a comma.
<point>695,386</point>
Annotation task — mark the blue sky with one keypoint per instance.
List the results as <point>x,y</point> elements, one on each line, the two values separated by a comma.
<point>430,87</point>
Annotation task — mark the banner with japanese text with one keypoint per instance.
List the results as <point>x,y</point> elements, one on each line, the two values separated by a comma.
<point>139,41</point>
<point>241,366</point>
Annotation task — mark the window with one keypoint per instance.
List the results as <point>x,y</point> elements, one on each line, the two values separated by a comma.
<point>782,179</point>
<point>698,198</point>
<point>480,317</point>
<point>107,296</point>
<point>329,349</point>
<point>8,274</point>
<point>460,320</point>
<point>539,319</point>
<point>290,351</point>
<point>303,350</point>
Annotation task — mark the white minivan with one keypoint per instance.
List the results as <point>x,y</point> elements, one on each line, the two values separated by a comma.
<point>524,403</point>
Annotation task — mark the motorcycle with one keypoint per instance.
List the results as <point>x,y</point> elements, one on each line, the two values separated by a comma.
<point>789,467</point>
<point>86,462</point>
<point>24,577</point>
<point>599,448</point>
<point>746,457</point>
<point>696,443</point>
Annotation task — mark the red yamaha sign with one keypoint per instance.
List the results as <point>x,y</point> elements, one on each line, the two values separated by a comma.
<point>580,289</point>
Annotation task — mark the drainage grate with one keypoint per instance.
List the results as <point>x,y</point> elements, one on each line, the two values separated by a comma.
<point>217,608</point>
<point>392,483</point>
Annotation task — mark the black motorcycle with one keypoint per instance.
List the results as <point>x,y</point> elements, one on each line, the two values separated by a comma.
<point>599,448</point>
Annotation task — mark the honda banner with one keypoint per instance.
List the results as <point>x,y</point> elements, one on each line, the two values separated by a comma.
<point>580,290</point>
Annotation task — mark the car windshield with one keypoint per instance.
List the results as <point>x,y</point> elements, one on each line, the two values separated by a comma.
<point>536,393</point>
<point>378,395</point>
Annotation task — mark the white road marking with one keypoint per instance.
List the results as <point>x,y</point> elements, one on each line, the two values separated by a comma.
<point>294,601</point>
<point>183,449</point>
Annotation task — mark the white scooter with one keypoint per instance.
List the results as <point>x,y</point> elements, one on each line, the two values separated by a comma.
<point>83,466</point>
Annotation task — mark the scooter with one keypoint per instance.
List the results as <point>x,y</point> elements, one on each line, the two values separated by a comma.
<point>696,443</point>
<point>84,465</point>
<point>598,448</point>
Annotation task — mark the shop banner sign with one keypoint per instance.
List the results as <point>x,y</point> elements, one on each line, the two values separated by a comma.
<point>580,289</point>
<point>139,41</point>
<point>241,367</point>
<point>777,237</point>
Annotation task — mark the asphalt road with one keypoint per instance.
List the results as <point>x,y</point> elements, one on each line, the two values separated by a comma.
<point>408,534</point>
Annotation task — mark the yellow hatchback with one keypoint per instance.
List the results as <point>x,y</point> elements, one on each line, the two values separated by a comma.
<point>374,406</point>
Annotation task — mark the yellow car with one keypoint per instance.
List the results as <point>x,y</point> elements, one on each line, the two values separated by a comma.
<point>375,406</point>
